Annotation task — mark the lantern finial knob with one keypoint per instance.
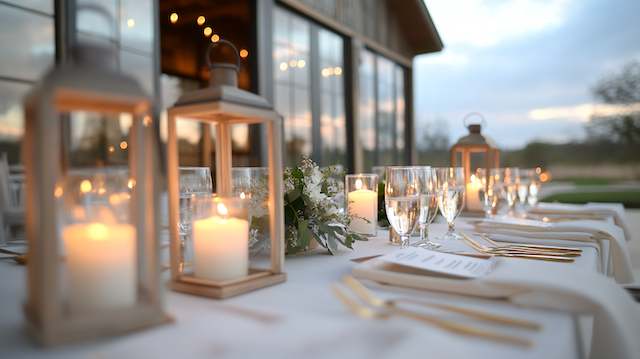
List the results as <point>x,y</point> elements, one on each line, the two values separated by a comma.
<point>223,73</point>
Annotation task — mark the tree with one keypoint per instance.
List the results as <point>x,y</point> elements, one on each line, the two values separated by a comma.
<point>623,89</point>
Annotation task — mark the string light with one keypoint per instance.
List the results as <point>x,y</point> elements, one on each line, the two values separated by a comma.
<point>207,31</point>
<point>301,63</point>
<point>215,38</point>
<point>173,18</point>
<point>201,19</point>
<point>131,23</point>
<point>283,66</point>
<point>244,53</point>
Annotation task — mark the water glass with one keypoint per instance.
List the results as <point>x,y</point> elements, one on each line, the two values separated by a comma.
<point>490,192</point>
<point>450,186</point>
<point>511,179</point>
<point>251,184</point>
<point>428,204</point>
<point>534,186</point>
<point>402,200</point>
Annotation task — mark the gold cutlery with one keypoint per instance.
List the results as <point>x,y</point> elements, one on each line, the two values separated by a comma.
<point>487,238</point>
<point>366,312</point>
<point>368,297</point>
<point>512,253</point>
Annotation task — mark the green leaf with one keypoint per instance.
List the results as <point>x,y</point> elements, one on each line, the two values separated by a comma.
<point>304,234</point>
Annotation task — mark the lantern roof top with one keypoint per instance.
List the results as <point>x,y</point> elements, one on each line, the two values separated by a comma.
<point>223,85</point>
<point>84,81</point>
<point>475,138</point>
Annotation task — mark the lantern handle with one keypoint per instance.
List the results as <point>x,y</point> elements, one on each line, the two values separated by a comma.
<point>229,44</point>
<point>483,122</point>
<point>98,10</point>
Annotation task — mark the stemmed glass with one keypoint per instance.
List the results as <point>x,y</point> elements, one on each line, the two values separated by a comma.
<point>450,189</point>
<point>491,191</point>
<point>524,180</point>
<point>428,204</point>
<point>402,200</point>
<point>534,186</point>
<point>510,179</point>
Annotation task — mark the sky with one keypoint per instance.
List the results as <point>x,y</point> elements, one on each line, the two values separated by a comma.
<point>528,66</point>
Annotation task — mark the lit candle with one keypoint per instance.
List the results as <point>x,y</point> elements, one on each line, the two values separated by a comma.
<point>101,265</point>
<point>221,246</point>
<point>473,194</point>
<point>363,209</point>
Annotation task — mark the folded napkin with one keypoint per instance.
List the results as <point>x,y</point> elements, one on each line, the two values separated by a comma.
<point>615,210</point>
<point>532,284</point>
<point>601,247</point>
<point>618,256</point>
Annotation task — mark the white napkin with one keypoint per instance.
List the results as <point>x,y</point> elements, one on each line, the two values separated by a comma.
<point>619,257</point>
<point>533,284</point>
<point>615,210</point>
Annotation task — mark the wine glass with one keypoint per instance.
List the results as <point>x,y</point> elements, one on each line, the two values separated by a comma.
<point>511,178</point>
<point>428,204</point>
<point>450,189</point>
<point>490,192</point>
<point>524,180</point>
<point>534,186</point>
<point>402,200</point>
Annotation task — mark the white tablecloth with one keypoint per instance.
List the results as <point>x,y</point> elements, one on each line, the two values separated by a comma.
<point>300,318</point>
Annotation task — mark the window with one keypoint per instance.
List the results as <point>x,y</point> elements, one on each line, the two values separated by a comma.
<point>382,111</point>
<point>309,89</point>
<point>27,40</point>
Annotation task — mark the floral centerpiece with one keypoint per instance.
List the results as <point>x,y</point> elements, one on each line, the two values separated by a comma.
<point>313,210</point>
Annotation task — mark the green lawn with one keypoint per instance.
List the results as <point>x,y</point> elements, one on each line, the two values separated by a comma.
<point>630,199</point>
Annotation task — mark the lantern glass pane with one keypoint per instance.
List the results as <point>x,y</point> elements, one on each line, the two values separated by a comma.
<point>97,139</point>
<point>248,183</point>
<point>477,160</point>
<point>98,240</point>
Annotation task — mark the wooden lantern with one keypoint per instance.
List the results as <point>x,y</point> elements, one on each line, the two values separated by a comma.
<point>221,105</point>
<point>90,86</point>
<point>471,152</point>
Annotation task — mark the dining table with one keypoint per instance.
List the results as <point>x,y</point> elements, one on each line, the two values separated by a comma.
<point>302,318</point>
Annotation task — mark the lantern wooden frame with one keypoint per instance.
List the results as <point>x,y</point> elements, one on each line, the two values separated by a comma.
<point>222,105</point>
<point>82,87</point>
<point>472,143</point>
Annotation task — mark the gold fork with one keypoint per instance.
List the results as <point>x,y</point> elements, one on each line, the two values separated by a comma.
<point>570,251</point>
<point>368,297</point>
<point>515,253</point>
<point>366,312</point>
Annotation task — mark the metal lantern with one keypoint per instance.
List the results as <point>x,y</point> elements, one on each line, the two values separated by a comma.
<point>93,261</point>
<point>221,105</point>
<point>471,152</point>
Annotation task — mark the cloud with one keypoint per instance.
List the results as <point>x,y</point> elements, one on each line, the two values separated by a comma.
<point>481,23</point>
<point>582,112</point>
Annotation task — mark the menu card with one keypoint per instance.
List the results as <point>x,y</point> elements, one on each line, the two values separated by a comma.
<point>443,263</point>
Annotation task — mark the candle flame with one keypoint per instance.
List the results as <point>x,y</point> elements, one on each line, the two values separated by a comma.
<point>358,184</point>
<point>222,209</point>
<point>85,186</point>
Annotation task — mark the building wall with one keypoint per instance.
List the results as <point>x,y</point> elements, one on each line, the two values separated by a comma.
<point>374,20</point>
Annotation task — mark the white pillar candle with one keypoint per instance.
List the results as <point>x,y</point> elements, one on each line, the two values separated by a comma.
<point>101,265</point>
<point>221,247</point>
<point>363,209</point>
<point>473,196</point>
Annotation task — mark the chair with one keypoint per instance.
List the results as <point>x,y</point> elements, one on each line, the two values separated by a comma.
<point>11,202</point>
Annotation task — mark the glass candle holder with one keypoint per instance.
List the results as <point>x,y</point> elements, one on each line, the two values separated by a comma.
<point>221,239</point>
<point>195,184</point>
<point>99,241</point>
<point>361,191</point>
